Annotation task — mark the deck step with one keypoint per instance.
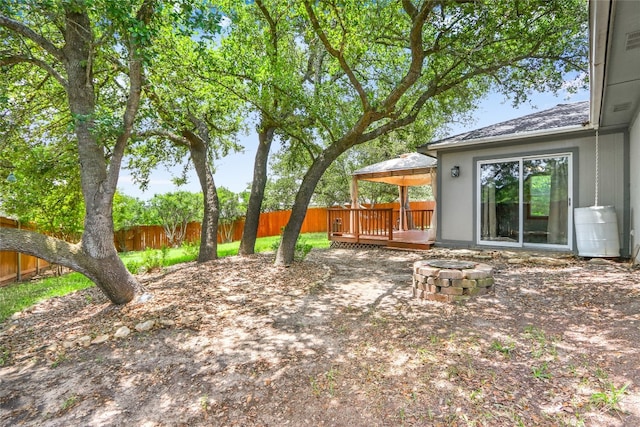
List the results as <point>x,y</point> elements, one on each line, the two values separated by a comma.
<point>409,245</point>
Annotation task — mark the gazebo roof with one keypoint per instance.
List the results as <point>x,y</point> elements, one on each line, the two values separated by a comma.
<point>409,169</point>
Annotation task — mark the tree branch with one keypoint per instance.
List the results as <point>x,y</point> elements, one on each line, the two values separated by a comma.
<point>18,59</point>
<point>355,83</point>
<point>23,30</point>
<point>173,137</point>
<point>48,248</point>
<point>144,14</point>
<point>417,54</point>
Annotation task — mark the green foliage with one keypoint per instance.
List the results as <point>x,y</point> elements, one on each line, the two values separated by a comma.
<point>69,403</point>
<point>134,267</point>
<point>280,193</point>
<point>302,248</point>
<point>5,355</point>
<point>231,208</point>
<point>47,191</point>
<point>135,260</point>
<point>541,372</point>
<point>153,259</point>
<point>128,212</point>
<point>190,249</point>
<point>609,399</point>
<point>174,211</point>
<point>504,348</point>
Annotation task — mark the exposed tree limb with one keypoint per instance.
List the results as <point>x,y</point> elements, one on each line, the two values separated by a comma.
<point>145,14</point>
<point>18,59</point>
<point>338,54</point>
<point>25,31</point>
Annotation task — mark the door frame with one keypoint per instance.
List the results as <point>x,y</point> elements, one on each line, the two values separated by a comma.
<point>520,243</point>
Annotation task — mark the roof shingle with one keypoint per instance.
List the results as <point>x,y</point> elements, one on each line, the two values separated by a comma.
<point>561,116</point>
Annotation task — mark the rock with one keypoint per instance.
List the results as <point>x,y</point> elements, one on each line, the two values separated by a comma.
<point>236,299</point>
<point>84,341</point>
<point>100,339</point>
<point>462,252</point>
<point>599,261</point>
<point>509,255</point>
<point>67,344</point>
<point>550,261</point>
<point>122,332</point>
<point>191,319</point>
<point>144,297</point>
<point>145,326</point>
<point>167,322</point>
<point>53,348</point>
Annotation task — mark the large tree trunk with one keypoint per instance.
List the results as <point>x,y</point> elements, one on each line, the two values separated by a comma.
<point>209,233</point>
<point>95,256</point>
<point>287,248</point>
<point>118,284</point>
<point>252,219</point>
<point>99,258</point>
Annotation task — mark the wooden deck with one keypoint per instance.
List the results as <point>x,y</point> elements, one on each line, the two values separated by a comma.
<point>376,227</point>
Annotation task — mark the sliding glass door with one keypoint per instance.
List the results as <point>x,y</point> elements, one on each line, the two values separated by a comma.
<point>499,202</point>
<point>525,201</point>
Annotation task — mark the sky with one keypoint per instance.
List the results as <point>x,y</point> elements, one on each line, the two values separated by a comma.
<point>235,171</point>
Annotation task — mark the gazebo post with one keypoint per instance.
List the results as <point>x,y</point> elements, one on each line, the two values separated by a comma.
<point>433,227</point>
<point>353,226</point>
<point>402,221</point>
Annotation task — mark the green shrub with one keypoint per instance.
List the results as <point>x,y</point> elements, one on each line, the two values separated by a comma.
<point>153,259</point>
<point>134,267</point>
<point>190,249</point>
<point>301,251</point>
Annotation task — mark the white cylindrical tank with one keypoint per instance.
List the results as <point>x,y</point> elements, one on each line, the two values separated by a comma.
<point>597,231</point>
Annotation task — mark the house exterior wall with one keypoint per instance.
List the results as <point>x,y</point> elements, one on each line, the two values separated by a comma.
<point>634,171</point>
<point>457,210</point>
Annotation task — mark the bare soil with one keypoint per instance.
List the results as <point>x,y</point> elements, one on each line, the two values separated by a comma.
<point>336,340</point>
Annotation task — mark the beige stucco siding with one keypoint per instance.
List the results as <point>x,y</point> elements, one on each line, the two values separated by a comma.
<point>456,198</point>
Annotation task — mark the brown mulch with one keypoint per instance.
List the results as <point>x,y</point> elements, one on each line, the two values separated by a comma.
<point>335,340</point>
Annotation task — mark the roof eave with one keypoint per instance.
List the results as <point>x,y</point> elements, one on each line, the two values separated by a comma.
<point>502,138</point>
<point>599,19</point>
<point>384,174</point>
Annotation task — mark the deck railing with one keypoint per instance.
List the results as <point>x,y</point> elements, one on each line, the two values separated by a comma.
<point>417,219</point>
<point>373,223</point>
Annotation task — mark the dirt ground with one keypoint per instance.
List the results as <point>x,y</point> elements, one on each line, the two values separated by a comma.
<point>336,340</point>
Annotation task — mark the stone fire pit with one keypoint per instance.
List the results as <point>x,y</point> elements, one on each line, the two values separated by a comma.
<point>450,280</point>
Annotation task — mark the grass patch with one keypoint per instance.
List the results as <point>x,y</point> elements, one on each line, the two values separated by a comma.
<point>506,348</point>
<point>266,244</point>
<point>18,296</point>
<point>609,399</point>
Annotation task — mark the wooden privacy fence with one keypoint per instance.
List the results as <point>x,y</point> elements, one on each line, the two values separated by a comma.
<point>15,266</point>
<point>271,223</point>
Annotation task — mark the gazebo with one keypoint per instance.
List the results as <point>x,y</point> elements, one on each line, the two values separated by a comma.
<point>402,228</point>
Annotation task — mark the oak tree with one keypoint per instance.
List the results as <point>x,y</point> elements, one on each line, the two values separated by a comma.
<point>389,64</point>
